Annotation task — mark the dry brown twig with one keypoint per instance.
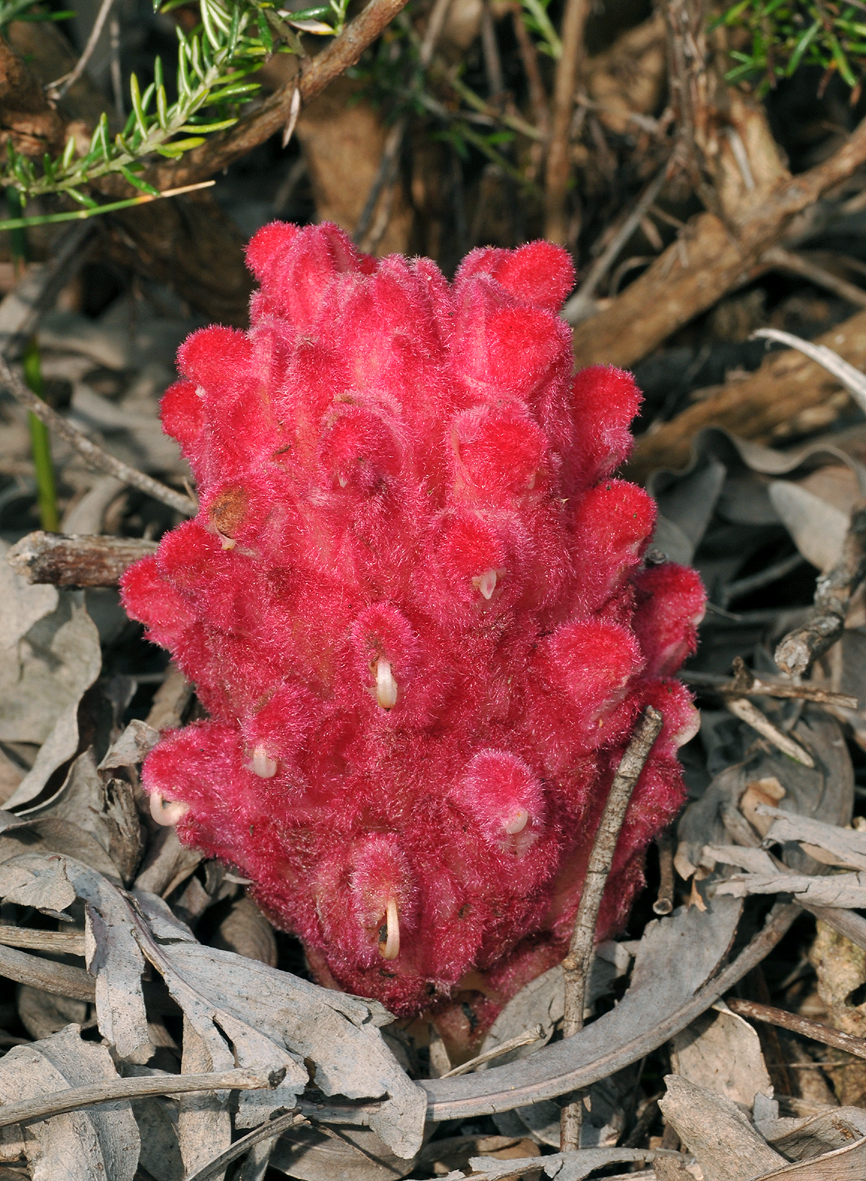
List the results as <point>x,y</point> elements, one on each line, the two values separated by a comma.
<point>802,646</point>
<point>269,1130</point>
<point>815,1030</point>
<point>137,1088</point>
<point>577,962</point>
<point>83,560</point>
<point>94,456</point>
<point>664,902</point>
<point>564,89</point>
<point>744,683</point>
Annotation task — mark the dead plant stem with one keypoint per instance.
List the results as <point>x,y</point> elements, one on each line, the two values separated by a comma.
<point>116,1089</point>
<point>93,455</point>
<point>577,963</point>
<point>564,93</point>
<point>815,1030</point>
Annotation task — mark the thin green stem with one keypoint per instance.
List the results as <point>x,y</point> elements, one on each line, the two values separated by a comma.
<point>40,443</point>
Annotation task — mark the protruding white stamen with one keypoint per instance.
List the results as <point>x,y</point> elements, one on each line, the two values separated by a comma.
<point>166,812</point>
<point>486,583</point>
<point>226,542</point>
<point>342,481</point>
<point>263,765</point>
<point>517,822</point>
<point>386,686</point>
<point>390,949</point>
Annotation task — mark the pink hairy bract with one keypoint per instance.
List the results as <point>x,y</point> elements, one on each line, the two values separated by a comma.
<point>415,606</point>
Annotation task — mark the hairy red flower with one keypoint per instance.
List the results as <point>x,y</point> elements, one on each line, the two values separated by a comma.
<point>415,607</point>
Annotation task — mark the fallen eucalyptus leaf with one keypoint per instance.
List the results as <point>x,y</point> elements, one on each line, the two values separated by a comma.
<point>722,1052</point>
<point>43,675</point>
<point>97,1142</point>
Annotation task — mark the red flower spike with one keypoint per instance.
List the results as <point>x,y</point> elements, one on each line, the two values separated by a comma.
<point>414,605</point>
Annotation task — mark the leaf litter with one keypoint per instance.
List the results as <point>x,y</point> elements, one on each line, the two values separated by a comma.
<point>150,987</point>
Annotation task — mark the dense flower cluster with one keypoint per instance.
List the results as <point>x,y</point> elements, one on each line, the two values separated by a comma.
<point>415,608</point>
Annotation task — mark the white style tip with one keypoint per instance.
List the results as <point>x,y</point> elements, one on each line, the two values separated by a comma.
<point>166,812</point>
<point>263,765</point>
<point>386,686</point>
<point>390,949</point>
<point>486,583</point>
<point>517,822</point>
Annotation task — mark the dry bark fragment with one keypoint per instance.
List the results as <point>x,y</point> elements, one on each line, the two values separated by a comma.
<point>27,120</point>
<point>63,560</point>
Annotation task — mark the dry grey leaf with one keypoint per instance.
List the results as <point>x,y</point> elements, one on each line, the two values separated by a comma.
<point>204,1122</point>
<point>47,835</point>
<point>41,883</point>
<point>714,1129</point>
<point>166,863</point>
<point>824,793</point>
<point>247,932</point>
<point>96,1144</point>
<point>847,845</point>
<point>269,1017</point>
<point>806,1138</point>
<point>23,604</point>
<point>818,528</point>
<point>357,1154</point>
<point>265,1011</point>
<point>160,1151</point>
<point>722,1052</point>
<point>566,1166</point>
<point>43,676</point>
<point>131,748</point>
<point>42,1014</point>
<point>103,807</point>
<point>845,1164</point>
<point>543,1000</point>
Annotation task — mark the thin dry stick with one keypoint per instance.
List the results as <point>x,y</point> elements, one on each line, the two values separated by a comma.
<point>68,942</point>
<point>269,1130</point>
<point>394,140</point>
<point>60,86</point>
<point>749,713</point>
<point>576,964</point>
<point>787,260</point>
<point>664,902</point>
<point>802,646</point>
<point>802,1025</point>
<point>513,1043</point>
<point>94,456</point>
<point>582,305</point>
<point>564,89</point>
<point>529,58</point>
<point>756,687</point>
<point>136,1088</point>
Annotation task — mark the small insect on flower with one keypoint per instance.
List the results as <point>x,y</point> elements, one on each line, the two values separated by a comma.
<point>415,607</point>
